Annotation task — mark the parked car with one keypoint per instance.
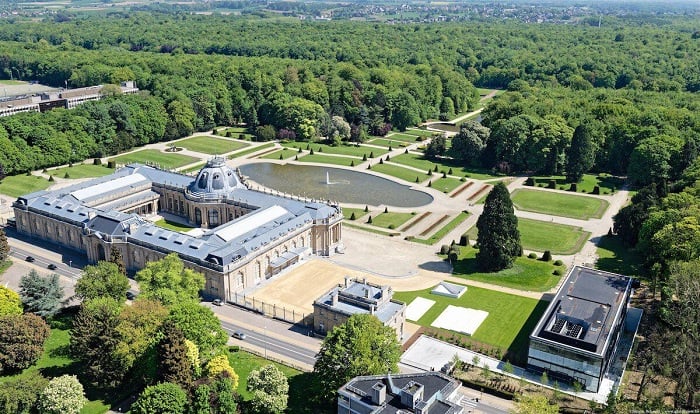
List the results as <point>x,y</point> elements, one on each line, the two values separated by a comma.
<point>238,335</point>
<point>217,302</point>
<point>130,295</point>
<point>52,266</point>
<point>30,259</point>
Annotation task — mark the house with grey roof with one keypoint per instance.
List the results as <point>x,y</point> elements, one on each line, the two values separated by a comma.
<point>421,393</point>
<point>358,296</point>
<point>577,337</point>
<point>240,237</point>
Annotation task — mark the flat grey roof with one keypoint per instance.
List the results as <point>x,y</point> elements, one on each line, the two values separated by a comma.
<point>585,309</point>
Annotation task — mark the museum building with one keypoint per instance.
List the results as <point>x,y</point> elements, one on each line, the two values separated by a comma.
<point>578,337</point>
<point>240,236</point>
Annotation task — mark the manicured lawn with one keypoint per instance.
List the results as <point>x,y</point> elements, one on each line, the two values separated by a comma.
<point>446,185</point>
<point>444,165</point>
<point>387,142</point>
<point>329,159</point>
<point>171,225</point>
<point>211,145</point>
<point>400,172</point>
<point>4,265</point>
<point>526,274</point>
<point>17,185</point>
<point>391,220</point>
<point>234,132</point>
<point>150,156</point>
<point>368,229</point>
<point>614,256</point>
<point>359,212</point>
<point>251,150</point>
<point>81,171</point>
<point>419,132</point>
<point>511,318</point>
<point>195,167</point>
<point>606,182</point>
<point>558,204</point>
<point>283,154</point>
<point>451,225</point>
<point>349,150</point>
<point>540,236</point>
<point>244,363</point>
<point>406,136</point>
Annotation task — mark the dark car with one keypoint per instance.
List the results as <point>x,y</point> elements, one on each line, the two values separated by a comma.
<point>217,302</point>
<point>30,259</point>
<point>52,266</point>
<point>130,295</point>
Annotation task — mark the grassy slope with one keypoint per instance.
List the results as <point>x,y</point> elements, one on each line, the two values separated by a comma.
<point>81,171</point>
<point>329,159</point>
<point>17,185</point>
<point>165,160</point>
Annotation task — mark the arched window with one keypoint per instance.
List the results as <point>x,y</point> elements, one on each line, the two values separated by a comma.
<point>213,218</point>
<point>258,272</point>
<point>240,279</point>
<point>197,215</point>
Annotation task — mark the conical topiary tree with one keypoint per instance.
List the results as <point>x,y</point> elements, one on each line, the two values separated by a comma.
<point>499,238</point>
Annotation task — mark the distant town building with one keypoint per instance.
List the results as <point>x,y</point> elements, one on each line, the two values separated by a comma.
<point>577,338</point>
<point>67,98</point>
<point>241,236</point>
<point>422,393</point>
<point>358,296</point>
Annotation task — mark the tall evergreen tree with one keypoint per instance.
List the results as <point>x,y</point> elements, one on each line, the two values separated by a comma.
<point>4,246</point>
<point>115,256</point>
<point>499,238</point>
<point>39,294</point>
<point>174,364</point>
<point>581,154</point>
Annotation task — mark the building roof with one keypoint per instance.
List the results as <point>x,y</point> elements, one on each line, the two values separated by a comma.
<point>584,310</point>
<point>94,205</point>
<point>360,297</point>
<point>434,390</point>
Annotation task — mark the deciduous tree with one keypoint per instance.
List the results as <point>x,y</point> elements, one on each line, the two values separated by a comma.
<point>22,340</point>
<point>19,395</point>
<point>169,282</point>
<point>102,279</point>
<point>63,395</point>
<point>470,142</point>
<point>534,404</point>
<point>360,346</point>
<point>220,366</point>
<point>164,398</point>
<point>499,238</point>
<point>9,302</point>
<point>39,294</point>
<point>115,256</point>
<point>200,325</point>
<point>270,390</point>
<point>4,245</point>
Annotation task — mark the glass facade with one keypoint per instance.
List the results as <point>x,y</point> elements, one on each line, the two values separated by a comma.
<point>564,365</point>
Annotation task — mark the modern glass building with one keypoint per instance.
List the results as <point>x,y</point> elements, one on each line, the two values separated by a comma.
<point>577,336</point>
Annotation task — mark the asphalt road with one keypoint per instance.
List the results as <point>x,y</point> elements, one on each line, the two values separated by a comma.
<point>42,261</point>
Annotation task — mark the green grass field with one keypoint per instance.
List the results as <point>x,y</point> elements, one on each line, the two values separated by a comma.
<point>407,136</point>
<point>234,132</point>
<point>540,236</point>
<point>171,225</point>
<point>244,363</point>
<point>367,229</point>
<point>400,172</point>
<point>349,150</point>
<point>446,185</point>
<point>437,236</point>
<point>391,220</point>
<point>17,185</point>
<point>81,171</point>
<point>150,156</point>
<point>444,165</point>
<point>614,256</point>
<point>558,204</point>
<point>387,142</point>
<point>285,154</point>
<point>607,183</point>
<point>509,323</point>
<point>526,274</point>
<point>251,150</point>
<point>419,132</point>
<point>359,212</point>
<point>195,167</point>
<point>211,145</point>
<point>329,159</point>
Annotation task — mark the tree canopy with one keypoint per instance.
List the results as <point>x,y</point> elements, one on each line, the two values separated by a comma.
<point>270,390</point>
<point>62,395</point>
<point>360,346</point>
<point>40,294</point>
<point>102,279</point>
<point>9,302</point>
<point>169,282</point>
<point>499,238</point>
<point>22,339</point>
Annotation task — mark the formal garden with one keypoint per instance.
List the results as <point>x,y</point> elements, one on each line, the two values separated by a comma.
<point>210,145</point>
<point>166,160</point>
<point>559,204</point>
